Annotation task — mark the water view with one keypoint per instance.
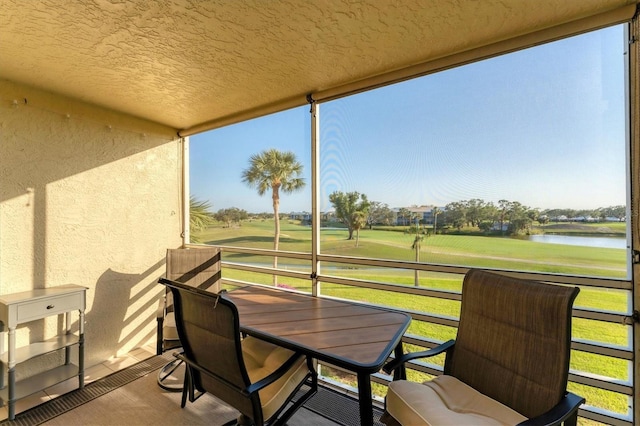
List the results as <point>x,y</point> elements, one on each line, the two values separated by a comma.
<point>602,242</point>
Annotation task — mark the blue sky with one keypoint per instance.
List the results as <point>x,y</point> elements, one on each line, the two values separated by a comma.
<point>543,126</point>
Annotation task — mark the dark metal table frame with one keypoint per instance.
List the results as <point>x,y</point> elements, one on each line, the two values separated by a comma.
<point>352,336</point>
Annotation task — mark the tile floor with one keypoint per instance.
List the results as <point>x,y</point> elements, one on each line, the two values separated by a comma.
<point>91,374</point>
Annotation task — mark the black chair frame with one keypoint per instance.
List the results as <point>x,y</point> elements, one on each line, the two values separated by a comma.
<point>193,385</point>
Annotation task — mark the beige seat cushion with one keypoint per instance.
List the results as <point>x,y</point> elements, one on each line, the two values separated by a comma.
<point>169,329</point>
<point>261,359</point>
<point>445,400</point>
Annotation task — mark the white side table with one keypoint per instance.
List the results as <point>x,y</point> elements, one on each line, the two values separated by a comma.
<point>19,308</point>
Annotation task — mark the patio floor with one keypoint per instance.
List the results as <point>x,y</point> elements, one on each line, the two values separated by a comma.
<point>125,389</point>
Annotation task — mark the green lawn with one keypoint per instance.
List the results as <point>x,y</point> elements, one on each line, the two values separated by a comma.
<point>473,251</point>
<point>467,250</point>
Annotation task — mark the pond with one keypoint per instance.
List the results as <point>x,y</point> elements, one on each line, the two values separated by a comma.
<point>602,242</point>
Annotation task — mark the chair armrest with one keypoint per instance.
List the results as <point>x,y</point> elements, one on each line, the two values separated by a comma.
<point>190,364</point>
<point>162,306</point>
<point>392,365</point>
<point>252,388</point>
<point>160,312</point>
<point>565,409</point>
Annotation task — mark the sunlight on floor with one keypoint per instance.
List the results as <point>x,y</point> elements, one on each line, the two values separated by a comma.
<point>91,374</point>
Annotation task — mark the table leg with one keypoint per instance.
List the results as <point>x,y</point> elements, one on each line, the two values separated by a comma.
<point>364,399</point>
<point>399,373</point>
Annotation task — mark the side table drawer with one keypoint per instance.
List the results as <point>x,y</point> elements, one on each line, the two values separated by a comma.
<point>29,311</point>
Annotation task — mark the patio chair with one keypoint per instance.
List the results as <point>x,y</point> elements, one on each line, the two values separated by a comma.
<point>509,363</point>
<point>195,267</point>
<point>255,377</point>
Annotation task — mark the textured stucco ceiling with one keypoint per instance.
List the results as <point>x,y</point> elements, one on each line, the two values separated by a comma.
<point>182,63</point>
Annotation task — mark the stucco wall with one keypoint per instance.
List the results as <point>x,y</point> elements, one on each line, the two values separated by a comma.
<point>90,197</point>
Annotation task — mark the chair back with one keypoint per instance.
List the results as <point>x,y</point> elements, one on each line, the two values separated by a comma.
<point>195,267</point>
<point>513,341</point>
<point>209,329</point>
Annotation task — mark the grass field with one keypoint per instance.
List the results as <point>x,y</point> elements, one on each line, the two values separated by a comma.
<point>467,250</point>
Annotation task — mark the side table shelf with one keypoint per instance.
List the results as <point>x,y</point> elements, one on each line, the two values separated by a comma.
<point>35,349</point>
<point>36,383</point>
<point>19,308</point>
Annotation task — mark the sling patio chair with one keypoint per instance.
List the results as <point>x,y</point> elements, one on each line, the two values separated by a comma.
<point>508,365</point>
<point>194,267</point>
<point>255,377</point>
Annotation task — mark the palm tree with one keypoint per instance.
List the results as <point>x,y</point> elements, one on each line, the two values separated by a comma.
<point>416,246</point>
<point>359,221</point>
<point>200,217</point>
<point>279,172</point>
<point>436,211</point>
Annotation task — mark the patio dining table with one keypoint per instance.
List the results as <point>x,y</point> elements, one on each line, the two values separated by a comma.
<point>352,336</point>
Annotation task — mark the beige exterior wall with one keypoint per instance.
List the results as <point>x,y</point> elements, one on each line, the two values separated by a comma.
<point>89,197</point>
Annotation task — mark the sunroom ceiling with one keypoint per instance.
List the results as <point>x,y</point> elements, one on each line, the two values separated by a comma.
<point>187,62</point>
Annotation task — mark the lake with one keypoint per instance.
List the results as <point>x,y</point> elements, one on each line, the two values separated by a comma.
<point>602,242</point>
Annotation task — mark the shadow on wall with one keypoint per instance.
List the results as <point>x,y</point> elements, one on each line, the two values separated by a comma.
<point>113,302</point>
<point>79,183</point>
<point>55,156</point>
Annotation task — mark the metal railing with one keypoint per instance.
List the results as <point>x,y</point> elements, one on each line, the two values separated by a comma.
<point>625,353</point>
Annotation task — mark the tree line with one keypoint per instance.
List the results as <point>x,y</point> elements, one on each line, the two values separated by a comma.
<point>510,217</point>
<point>513,217</point>
<point>276,172</point>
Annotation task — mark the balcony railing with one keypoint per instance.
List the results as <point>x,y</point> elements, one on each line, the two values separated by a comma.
<point>581,382</point>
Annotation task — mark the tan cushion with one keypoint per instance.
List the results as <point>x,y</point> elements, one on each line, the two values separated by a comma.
<point>445,400</point>
<point>261,359</point>
<point>169,329</point>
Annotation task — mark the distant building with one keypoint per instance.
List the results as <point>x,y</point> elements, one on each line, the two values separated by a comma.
<point>302,216</point>
<point>306,216</point>
<point>423,213</point>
